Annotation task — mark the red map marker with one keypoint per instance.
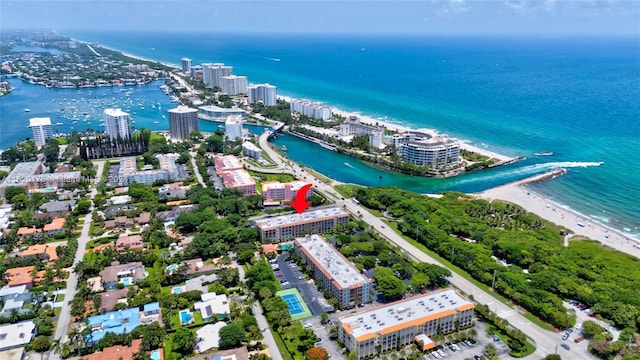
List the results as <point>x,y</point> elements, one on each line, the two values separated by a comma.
<point>299,203</point>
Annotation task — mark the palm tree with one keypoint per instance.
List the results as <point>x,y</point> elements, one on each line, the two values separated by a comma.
<point>14,316</point>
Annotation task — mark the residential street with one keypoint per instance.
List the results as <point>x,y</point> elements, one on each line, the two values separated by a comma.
<point>262,321</point>
<point>72,281</point>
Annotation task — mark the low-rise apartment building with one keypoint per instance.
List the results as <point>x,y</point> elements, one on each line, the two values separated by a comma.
<point>275,191</point>
<point>386,327</point>
<point>333,271</point>
<point>284,227</point>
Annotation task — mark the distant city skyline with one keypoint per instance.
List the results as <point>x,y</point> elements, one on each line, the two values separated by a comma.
<point>454,17</point>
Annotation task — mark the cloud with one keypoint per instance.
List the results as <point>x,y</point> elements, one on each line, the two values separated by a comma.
<point>452,7</point>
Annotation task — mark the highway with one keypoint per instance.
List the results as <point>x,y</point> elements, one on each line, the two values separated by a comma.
<point>546,342</point>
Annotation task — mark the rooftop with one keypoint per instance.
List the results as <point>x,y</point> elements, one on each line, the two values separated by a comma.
<point>115,112</point>
<point>214,108</point>
<point>310,215</point>
<point>14,335</point>
<point>39,121</point>
<point>331,262</point>
<point>237,177</point>
<point>182,109</point>
<point>115,352</point>
<point>405,312</point>
<point>56,224</point>
<point>117,322</point>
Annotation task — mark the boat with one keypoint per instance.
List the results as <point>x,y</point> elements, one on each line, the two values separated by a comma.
<point>284,148</point>
<point>544,153</point>
<point>156,122</point>
<point>348,165</point>
<point>27,110</point>
<point>59,123</point>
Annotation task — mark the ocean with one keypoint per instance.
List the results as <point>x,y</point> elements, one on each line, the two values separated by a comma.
<point>577,97</point>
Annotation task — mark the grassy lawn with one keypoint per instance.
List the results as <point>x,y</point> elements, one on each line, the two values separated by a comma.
<point>60,297</point>
<point>347,190</point>
<point>57,311</point>
<point>320,177</point>
<point>284,352</point>
<point>465,275</point>
<point>272,177</point>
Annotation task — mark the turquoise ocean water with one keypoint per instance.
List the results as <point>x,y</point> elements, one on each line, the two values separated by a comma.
<point>577,97</point>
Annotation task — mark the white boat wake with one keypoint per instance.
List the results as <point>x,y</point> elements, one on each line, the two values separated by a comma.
<point>529,170</point>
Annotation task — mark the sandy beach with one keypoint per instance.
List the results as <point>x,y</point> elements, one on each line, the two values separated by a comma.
<point>391,126</point>
<point>519,194</point>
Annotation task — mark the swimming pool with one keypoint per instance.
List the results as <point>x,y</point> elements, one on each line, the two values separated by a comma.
<point>185,317</point>
<point>126,281</point>
<point>155,354</point>
<point>171,268</point>
<point>176,290</point>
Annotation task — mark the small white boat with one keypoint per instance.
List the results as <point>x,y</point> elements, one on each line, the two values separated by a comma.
<point>348,165</point>
<point>156,122</point>
<point>27,110</point>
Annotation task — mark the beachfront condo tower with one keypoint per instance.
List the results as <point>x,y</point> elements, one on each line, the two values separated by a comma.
<point>117,123</point>
<point>186,65</point>
<point>182,121</point>
<point>233,85</point>
<point>41,129</point>
<point>266,93</point>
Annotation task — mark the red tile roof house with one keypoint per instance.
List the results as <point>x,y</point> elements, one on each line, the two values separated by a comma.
<point>129,242</point>
<point>56,226</point>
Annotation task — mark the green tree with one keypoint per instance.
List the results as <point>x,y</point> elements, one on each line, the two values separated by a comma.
<point>12,191</point>
<point>591,329</point>
<point>83,206</point>
<point>184,341</point>
<point>231,336</point>
<point>41,344</point>
<point>552,357</point>
<point>390,286</point>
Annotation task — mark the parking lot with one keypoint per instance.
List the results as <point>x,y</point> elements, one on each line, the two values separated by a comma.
<point>290,277</point>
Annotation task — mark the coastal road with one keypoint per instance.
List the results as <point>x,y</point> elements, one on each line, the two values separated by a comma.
<point>546,342</point>
<point>268,340</point>
<point>72,281</point>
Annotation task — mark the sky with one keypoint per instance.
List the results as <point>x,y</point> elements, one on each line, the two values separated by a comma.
<point>454,17</point>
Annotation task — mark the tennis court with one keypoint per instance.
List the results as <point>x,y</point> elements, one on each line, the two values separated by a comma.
<point>297,308</point>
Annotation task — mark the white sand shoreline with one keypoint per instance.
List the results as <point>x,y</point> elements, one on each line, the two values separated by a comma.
<point>396,127</point>
<point>580,224</point>
<point>127,54</point>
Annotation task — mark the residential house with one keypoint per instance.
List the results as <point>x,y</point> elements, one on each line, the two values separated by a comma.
<point>125,274</point>
<point>55,227</point>
<point>56,206</point>
<point>109,299</point>
<point>16,335</point>
<point>209,336</point>
<point>117,322</point>
<point>151,313</point>
<point>114,352</point>
<point>125,242</point>
<point>14,298</point>
<point>20,276</point>
<point>213,306</point>
<point>112,211</point>
<point>232,354</point>
<point>25,233</point>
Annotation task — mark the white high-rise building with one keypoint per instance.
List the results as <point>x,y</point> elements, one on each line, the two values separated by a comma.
<point>233,85</point>
<point>311,109</point>
<point>213,73</point>
<point>186,65</point>
<point>182,121</point>
<point>117,123</point>
<point>41,129</point>
<point>266,93</point>
<point>233,127</point>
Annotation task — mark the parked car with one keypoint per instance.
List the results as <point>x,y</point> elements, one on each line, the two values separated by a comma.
<point>565,346</point>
